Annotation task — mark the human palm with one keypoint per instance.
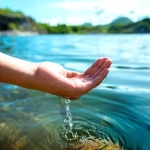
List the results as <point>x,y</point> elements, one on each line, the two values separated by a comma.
<point>55,79</point>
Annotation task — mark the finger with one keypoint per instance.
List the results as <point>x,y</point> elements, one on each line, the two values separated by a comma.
<point>107,64</point>
<point>98,64</point>
<point>97,80</point>
<point>71,74</point>
<point>91,67</point>
<point>103,63</point>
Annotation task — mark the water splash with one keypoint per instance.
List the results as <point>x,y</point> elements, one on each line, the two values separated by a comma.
<point>69,121</point>
<point>69,134</point>
<point>76,136</point>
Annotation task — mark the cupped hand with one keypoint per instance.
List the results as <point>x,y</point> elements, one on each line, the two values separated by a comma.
<point>53,78</point>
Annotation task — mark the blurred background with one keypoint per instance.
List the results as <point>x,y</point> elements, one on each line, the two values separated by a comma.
<point>75,16</point>
<point>74,33</point>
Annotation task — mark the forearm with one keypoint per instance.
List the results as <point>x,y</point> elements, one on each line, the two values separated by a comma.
<point>16,71</point>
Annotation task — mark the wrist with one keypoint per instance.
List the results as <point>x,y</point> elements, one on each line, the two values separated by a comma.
<point>28,80</point>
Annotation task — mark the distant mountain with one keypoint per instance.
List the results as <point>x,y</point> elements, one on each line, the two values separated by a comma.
<point>142,26</point>
<point>15,20</point>
<point>11,20</point>
<point>121,20</point>
<point>88,24</point>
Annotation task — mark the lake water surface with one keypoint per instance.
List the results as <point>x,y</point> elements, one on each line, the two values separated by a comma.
<point>117,112</point>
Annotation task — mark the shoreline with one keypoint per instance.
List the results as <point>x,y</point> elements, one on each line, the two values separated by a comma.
<point>17,33</point>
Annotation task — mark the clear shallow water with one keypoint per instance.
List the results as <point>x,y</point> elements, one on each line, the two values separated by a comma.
<point>117,111</point>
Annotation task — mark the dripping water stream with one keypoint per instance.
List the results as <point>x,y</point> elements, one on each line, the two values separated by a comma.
<point>69,132</point>
<point>69,121</point>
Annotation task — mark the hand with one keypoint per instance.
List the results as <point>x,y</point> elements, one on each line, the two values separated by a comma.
<point>53,78</point>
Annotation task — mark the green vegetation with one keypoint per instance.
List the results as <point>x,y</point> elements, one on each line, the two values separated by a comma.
<point>11,20</point>
<point>142,26</point>
<point>15,20</point>
<point>80,29</point>
<point>121,20</point>
<point>12,26</point>
<point>9,12</point>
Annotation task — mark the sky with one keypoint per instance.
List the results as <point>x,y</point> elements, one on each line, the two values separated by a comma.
<point>75,12</point>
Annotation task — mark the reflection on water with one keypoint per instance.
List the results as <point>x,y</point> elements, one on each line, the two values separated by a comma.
<point>115,115</point>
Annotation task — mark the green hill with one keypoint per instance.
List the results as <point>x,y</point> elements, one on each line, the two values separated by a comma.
<point>121,20</point>
<point>10,13</point>
<point>15,20</point>
<point>142,26</point>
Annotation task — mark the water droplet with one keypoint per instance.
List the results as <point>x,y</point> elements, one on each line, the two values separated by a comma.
<point>70,124</point>
<point>65,120</point>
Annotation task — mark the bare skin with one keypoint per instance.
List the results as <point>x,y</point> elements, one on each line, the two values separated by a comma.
<point>51,77</point>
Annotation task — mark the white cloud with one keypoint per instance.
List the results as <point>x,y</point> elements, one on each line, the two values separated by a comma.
<point>75,5</point>
<point>100,11</point>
